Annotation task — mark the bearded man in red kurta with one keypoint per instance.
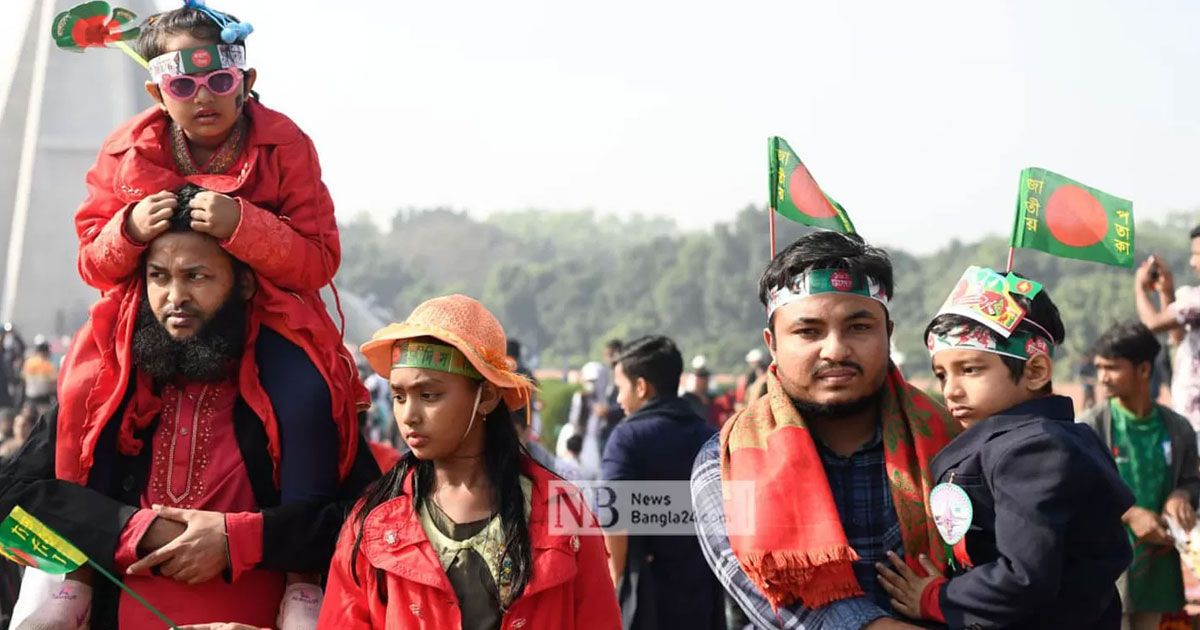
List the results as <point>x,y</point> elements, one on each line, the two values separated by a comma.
<point>186,501</point>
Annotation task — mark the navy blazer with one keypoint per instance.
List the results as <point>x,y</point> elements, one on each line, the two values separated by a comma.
<point>1047,542</point>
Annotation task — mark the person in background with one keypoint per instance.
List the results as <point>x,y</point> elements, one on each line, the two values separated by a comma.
<point>753,383</point>
<point>1155,449</point>
<point>587,414</point>
<point>696,395</point>
<point>569,465</point>
<point>39,374</point>
<point>662,581</point>
<point>1177,313</point>
<point>22,426</point>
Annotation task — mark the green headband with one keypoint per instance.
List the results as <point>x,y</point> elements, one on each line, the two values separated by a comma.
<point>817,281</point>
<point>432,356</point>
<point>1020,345</point>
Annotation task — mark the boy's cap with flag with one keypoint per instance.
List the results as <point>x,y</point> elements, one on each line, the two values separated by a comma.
<point>1065,218</point>
<point>986,297</point>
<point>467,326</point>
<point>795,194</point>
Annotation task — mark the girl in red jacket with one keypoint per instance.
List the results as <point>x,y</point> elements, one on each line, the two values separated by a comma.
<point>264,201</point>
<point>458,534</point>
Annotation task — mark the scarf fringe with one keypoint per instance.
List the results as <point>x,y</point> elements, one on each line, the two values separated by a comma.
<point>816,577</point>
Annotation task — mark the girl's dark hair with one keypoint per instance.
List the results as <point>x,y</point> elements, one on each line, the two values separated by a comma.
<point>1041,311</point>
<point>157,27</point>
<point>502,460</point>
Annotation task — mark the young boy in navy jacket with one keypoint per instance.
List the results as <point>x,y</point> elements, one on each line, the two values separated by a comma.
<point>1030,501</point>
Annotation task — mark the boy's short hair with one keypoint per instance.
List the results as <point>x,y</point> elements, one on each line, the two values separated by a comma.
<point>1195,233</point>
<point>1041,311</point>
<point>656,359</point>
<point>1130,340</point>
<point>194,22</point>
<point>826,250</point>
<point>575,444</point>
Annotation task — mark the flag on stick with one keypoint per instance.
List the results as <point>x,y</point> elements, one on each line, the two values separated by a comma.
<point>1065,218</point>
<point>28,542</point>
<point>795,194</point>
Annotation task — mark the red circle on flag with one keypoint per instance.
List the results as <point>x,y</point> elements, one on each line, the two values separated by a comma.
<point>806,196</point>
<point>841,280</point>
<point>1075,217</point>
<point>201,58</point>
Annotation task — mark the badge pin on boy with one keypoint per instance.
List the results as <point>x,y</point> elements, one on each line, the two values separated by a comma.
<point>952,512</point>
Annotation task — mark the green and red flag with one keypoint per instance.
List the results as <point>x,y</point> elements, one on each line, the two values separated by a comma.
<point>96,24</point>
<point>28,542</point>
<point>795,194</point>
<point>1065,218</point>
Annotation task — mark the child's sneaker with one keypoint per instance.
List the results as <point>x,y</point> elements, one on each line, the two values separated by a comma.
<point>69,607</point>
<point>300,607</point>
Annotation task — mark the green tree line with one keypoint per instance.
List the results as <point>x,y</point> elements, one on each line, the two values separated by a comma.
<point>565,282</point>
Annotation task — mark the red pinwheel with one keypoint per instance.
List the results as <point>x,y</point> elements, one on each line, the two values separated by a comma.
<point>94,25</point>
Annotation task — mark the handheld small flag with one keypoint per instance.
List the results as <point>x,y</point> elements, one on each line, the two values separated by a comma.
<point>795,194</point>
<point>1065,218</point>
<point>28,542</point>
<point>96,24</point>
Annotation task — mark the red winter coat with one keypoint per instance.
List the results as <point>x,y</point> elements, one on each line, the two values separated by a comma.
<point>570,588</point>
<point>287,234</point>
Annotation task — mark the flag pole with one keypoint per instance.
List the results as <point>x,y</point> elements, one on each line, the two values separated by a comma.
<point>112,578</point>
<point>1011,252</point>
<point>772,211</point>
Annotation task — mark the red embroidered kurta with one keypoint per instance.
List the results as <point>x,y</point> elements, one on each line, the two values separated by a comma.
<point>197,464</point>
<point>287,234</point>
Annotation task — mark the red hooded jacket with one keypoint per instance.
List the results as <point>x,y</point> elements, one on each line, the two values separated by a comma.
<point>570,588</point>
<point>287,234</point>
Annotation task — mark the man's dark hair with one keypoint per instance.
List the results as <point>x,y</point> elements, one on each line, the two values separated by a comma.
<point>181,218</point>
<point>656,359</point>
<point>826,250</point>
<point>1041,311</point>
<point>184,20</point>
<point>1129,340</point>
<point>1195,233</point>
<point>615,345</point>
<point>575,444</point>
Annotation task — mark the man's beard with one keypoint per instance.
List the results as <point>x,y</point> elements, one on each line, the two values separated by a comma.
<point>835,411</point>
<point>206,356</point>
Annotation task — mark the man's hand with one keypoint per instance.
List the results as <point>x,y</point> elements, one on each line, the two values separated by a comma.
<point>1179,507</point>
<point>1147,526</point>
<point>160,532</point>
<point>215,214</point>
<point>198,555</point>
<point>904,585</point>
<point>150,217</point>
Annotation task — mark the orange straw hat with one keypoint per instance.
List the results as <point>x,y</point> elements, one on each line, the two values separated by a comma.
<point>465,324</point>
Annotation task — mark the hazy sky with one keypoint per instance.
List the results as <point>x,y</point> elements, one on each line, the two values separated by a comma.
<point>916,116</point>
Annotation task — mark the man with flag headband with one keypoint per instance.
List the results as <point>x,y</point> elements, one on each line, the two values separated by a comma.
<point>838,451</point>
<point>1029,501</point>
<point>183,502</point>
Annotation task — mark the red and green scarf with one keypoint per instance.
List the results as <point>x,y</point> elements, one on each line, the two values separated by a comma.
<point>798,549</point>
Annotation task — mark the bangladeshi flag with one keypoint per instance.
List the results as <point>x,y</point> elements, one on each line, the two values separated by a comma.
<point>29,542</point>
<point>1063,217</point>
<point>795,194</point>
